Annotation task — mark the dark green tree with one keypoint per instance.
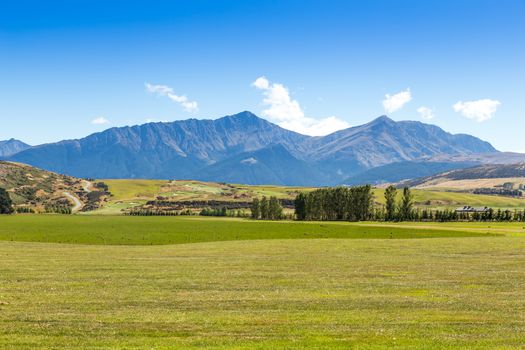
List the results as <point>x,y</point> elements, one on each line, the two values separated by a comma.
<point>390,203</point>
<point>264,208</point>
<point>300,206</point>
<point>406,207</point>
<point>256,209</point>
<point>6,204</point>
<point>275,210</point>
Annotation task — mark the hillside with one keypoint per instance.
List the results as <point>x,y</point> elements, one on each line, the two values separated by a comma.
<point>497,172</point>
<point>38,190</point>
<point>217,150</point>
<point>396,172</point>
<point>270,165</point>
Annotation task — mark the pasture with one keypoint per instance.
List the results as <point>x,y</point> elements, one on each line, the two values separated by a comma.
<point>151,230</point>
<point>135,282</point>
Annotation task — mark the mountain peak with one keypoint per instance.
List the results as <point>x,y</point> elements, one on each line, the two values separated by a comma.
<point>243,119</point>
<point>382,120</point>
<point>11,147</point>
<point>244,115</point>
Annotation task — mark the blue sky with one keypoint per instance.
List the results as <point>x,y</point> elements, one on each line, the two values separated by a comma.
<point>70,68</point>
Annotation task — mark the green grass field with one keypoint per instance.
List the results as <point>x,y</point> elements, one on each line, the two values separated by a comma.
<point>150,230</point>
<point>127,283</point>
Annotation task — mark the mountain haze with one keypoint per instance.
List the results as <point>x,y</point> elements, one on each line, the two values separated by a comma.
<point>221,149</point>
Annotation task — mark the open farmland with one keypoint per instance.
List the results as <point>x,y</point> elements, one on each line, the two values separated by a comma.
<point>130,193</point>
<point>468,184</point>
<point>440,199</point>
<point>194,190</point>
<point>118,283</point>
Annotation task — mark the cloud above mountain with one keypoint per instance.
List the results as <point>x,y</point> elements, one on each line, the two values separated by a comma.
<point>183,100</point>
<point>100,121</point>
<point>426,113</point>
<point>395,102</point>
<point>287,112</point>
<point>479,110</point>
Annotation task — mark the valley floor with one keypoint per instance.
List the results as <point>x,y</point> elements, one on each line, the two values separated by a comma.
<point>119,283</point>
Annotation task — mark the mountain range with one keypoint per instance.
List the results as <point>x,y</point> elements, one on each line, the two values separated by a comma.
<point>244,148</point>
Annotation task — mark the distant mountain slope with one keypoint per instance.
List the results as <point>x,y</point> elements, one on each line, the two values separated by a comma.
<point>11,147</point>
<point>185,149</point>
<point>396,172</point>
<point>483,158</point>
<point>384,141</point>
<point>270,165</point>
<point>487,171</point>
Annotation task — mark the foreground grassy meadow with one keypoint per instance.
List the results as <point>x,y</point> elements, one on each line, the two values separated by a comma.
<point>128,283</point>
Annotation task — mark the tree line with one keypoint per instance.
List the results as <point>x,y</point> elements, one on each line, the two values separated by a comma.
<point>357,204</point>
<point>339,203</point>
<point>266,209</point>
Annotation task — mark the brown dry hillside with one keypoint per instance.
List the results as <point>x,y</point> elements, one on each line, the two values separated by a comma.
<point>470,176</point>
<point>42,191</point>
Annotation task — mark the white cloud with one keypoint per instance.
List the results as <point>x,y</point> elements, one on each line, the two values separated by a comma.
<point>261,83</point>
<point>163,90</point>
<point>100,121</point>
<point>250,161</point>
<point>395,102</point>
<point>480,110</point>
<point>287,113</point>
<point>426,113</point>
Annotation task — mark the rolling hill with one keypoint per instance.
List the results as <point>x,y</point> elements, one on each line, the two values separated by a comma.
<point>218,150</point>
<point>43,191</point>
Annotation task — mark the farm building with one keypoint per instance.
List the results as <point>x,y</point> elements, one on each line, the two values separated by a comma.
<point>469,209</point>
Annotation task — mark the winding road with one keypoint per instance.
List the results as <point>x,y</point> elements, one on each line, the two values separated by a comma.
<point>88,187</point>
<point>78,203</point>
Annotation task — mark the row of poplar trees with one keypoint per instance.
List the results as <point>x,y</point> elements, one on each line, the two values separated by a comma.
<point>338,203</point>
<point>398,211</point>
<point>353,204</point>
<point>266,209</point>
